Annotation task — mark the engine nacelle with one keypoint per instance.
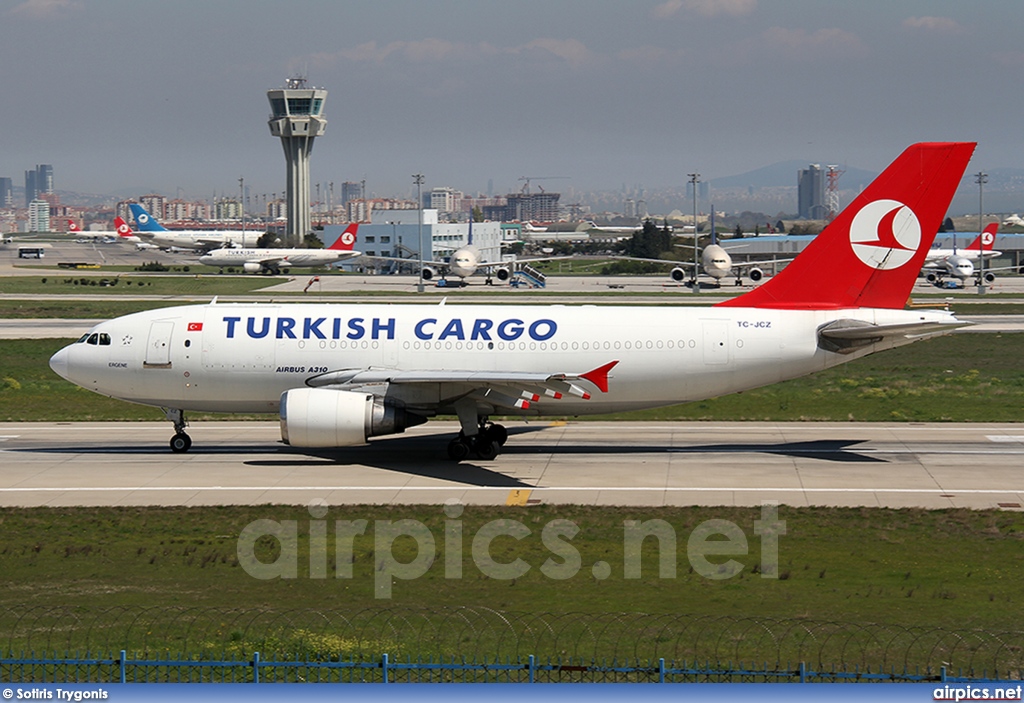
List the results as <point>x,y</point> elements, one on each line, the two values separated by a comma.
<point>428,273</point>
<point>755,274</point>
<point>989,277</point>
<point>678,274</point>
<point>251,267</point>
<point>932,278</point>
<point>503,274</point>
<point>321,417</point>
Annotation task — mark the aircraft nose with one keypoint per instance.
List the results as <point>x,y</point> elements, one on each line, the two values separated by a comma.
<point>59,362</point>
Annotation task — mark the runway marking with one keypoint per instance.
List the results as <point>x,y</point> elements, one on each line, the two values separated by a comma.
<point>1005,438</point>
<point>5,437</point>
<point>518,497</point>
<point>463,487</point>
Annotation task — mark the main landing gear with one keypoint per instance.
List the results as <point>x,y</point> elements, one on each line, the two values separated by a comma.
<point>180,442</point>
<point>485,444</point>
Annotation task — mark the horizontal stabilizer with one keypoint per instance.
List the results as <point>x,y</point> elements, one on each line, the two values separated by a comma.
<point>845,335</point>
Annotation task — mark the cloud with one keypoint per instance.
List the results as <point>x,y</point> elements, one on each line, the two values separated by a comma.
<point>45,9</point>
<point>799,41</point>
<point>572,51</point>
<point>706,8</point>
<point>932,24</point>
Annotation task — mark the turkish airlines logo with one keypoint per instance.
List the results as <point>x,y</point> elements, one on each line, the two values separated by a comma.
<point>122,229</point>
<point>347,238</point>
<point>885,234</point>
<point>987,239</point>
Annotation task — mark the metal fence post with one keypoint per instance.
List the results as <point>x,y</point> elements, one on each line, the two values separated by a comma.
<point>531,668</point>
<point>384,666</point>
<point>123,666</point>
<point>661,670</point>
<point>803,672</point>
<point>255,667</point>
<point>942,674</point>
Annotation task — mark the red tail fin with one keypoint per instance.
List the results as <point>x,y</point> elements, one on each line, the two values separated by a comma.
<point>986,240</point>
<point>870,255</point>
<point>123,230</point>
<point>73,227</point>
<point>347,240</point>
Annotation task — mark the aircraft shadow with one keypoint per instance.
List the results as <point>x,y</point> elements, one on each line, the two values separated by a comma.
<point>825,449</point>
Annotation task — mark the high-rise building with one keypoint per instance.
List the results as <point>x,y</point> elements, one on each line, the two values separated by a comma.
<point>350,190</point>
<point>527,207</point>
<point>6,193</point>
<point>297,118</point>
<point>38,182</point>
<point>811,193</point>
<point>155,204</point>
<point>39,216</point>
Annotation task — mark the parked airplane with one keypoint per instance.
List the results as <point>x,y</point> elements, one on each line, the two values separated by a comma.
<point>467,260</point>
<point>339,374</point>
<point>152,230</point>
<point>74,229</point>
<point>273,260</point>
<point>955,265</point>
<point>124,231</point>
<point>1014,220</point>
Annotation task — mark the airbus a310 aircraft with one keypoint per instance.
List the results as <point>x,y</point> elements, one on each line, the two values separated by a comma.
<point>339,374</point>
<point>273,260</point>
<point>204,239</point>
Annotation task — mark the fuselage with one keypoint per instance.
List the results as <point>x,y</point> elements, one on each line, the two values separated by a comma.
<point>282,257</point>
<point>241,357</point>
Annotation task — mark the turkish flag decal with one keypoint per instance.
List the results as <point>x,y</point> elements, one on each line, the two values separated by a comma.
<point>195,327</point>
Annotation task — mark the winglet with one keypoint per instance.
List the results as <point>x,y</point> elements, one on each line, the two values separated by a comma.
<point>599,376</point>
<point>347,240</point>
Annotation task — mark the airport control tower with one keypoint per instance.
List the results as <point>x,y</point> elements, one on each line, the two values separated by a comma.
<point>296,116</point>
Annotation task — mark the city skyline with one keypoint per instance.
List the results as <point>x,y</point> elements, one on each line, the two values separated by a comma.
<point>136,98</point>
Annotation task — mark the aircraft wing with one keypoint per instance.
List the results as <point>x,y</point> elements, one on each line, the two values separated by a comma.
<point>845,335</point>
<point>514,389</point>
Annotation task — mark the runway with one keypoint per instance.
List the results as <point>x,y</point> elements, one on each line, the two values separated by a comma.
<point>970,465</point>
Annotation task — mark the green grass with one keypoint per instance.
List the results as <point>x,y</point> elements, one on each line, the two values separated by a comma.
<point>78,283</point>
<point>952,569</point>
<point>961,378</point>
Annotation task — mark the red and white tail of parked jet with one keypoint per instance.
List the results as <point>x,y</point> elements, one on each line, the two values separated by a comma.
<point>339,374</point>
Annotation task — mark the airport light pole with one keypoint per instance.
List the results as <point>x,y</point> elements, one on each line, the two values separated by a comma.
<point>417,178</point>
<point>981,178</point>
<point>694,180</point>
<point>241,202</point>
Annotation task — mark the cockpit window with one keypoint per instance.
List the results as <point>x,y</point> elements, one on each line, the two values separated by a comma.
<point>104,339</point>
<point>82,338</point>
<point>93,339</point>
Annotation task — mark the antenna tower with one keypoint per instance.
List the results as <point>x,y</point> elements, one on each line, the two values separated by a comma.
<point>832,190</point>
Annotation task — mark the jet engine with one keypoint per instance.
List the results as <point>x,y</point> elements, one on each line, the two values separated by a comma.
<point>678,274</point>
<point>755,274</point>
<point>251,267</point>
<point>503,274</point>
<point>989,277</point>
<point>932,277</point>
<point>321,417</point>
<point>428,273</point>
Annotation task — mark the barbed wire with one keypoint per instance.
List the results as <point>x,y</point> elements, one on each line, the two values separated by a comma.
<point>480,633</point>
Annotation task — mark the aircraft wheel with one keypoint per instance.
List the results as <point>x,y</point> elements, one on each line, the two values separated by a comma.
<point>458,449</point>
<point>498,433</point>
<point>486,448</point>
<point>180,443</point>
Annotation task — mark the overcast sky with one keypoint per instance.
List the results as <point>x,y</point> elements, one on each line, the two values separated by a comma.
<point>126,96</point>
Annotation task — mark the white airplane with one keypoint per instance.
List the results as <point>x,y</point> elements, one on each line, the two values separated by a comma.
<point>273,260</point>
<point>151,230</point>
<point>956,265</point>
<point>74,229</point>
<point>1014,220</point>
<point>467,260</point>
<point>124,232</point>
<point>340,373</point>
